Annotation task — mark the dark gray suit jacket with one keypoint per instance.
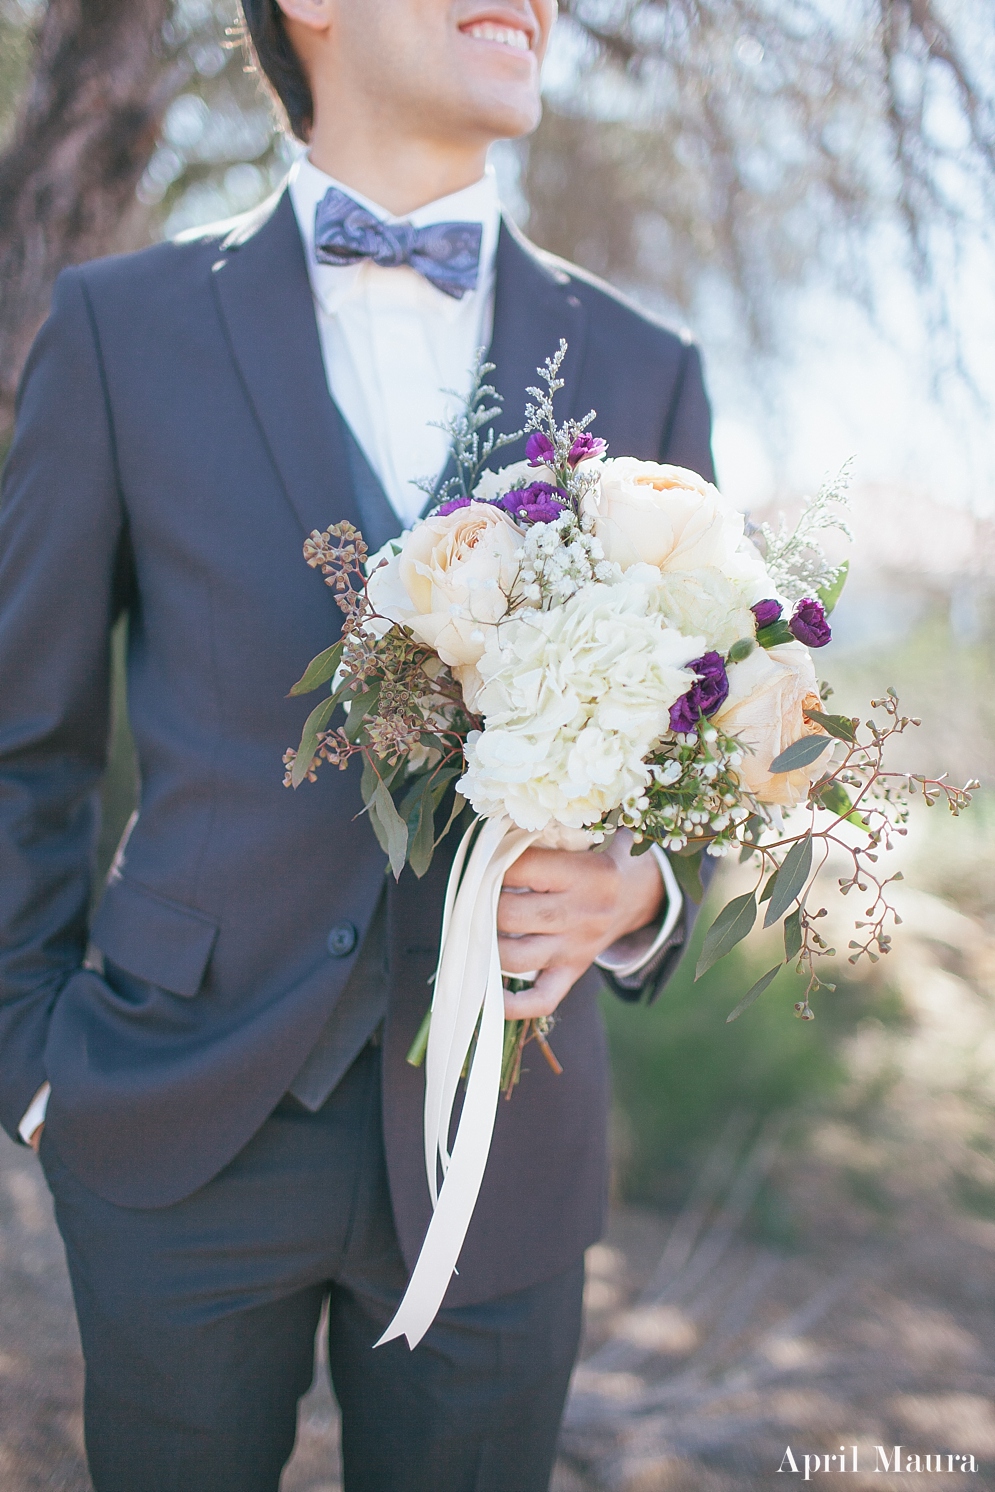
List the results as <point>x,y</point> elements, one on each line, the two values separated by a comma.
<point>175,442</point>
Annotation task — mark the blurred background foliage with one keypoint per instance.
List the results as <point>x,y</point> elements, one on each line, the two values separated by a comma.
<point>719,160</point>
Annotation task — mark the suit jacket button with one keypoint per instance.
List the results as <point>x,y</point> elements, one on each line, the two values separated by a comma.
<point>342,939</point>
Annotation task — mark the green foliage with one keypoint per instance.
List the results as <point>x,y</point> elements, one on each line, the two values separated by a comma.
<point>754,993</point>
<point>680,1070</point>
<point>319,671</point>
<point>840,726</point>
<point>790,880</point>
<point>729,928</point>
<point>800,754</point>
<point>830,594</point>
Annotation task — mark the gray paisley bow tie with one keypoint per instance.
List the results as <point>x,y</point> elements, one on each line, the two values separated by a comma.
<point>447,254</point>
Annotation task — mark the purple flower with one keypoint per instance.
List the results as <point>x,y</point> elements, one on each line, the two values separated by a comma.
<point>809,623</point>
<point>704,696</point>
<point>539,449</point>
<point>539,502</point>
<point>444,509</point>
<point>766,612</point>
<point>586,446</point>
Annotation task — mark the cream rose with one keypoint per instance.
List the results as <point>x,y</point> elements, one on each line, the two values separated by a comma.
<point>768,694</point>
<point>672,518</point>
<point>451,580</point>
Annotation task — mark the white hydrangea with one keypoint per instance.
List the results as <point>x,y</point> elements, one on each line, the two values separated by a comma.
<point>573,699</point>
<point>708,601</point>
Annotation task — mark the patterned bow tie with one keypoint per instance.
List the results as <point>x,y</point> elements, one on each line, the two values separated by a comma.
<point>447,254</point>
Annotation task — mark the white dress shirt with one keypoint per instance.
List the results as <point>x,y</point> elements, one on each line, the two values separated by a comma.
<point>393,345</point>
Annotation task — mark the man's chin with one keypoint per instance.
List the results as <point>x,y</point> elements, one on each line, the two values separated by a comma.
<point>497,116</point>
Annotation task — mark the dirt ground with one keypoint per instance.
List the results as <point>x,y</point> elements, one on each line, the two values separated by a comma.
<point>709,1352</point>
<point>706,1355</point>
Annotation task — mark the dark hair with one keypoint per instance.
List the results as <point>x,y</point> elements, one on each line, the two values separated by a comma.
<point>279,63</point>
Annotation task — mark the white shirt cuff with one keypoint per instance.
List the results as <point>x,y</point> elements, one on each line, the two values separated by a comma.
<point>619,959</point>
<point>36,1113</point>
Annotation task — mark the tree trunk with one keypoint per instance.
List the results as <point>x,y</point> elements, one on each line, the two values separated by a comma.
<point>86,131</point>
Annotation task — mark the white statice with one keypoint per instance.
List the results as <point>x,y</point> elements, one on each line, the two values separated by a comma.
<point>573,699</point>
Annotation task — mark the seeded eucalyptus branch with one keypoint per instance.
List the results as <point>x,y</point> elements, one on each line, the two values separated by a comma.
<point>855,790</point>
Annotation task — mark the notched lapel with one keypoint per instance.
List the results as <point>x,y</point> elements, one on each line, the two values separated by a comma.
<point>534,306</point>
<point>264,297</point>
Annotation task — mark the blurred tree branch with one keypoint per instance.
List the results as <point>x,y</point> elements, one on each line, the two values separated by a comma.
<point>742,143</point>
<point>689,149</point>
<point>87,126</point>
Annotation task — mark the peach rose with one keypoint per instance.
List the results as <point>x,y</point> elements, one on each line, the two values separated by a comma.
<point>451,580</point>
<point>768,695</point>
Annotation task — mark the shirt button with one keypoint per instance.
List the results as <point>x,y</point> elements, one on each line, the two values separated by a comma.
<point>342,939</point>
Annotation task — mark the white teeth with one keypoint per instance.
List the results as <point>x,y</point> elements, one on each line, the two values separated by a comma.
<point>508,36</point>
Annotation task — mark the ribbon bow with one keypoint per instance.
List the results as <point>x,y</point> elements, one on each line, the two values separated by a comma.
<point>447,254</point>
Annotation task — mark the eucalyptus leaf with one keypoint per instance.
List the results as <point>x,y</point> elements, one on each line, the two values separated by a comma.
<point>687,873</point>
<point>729,928</point>
<point>319,670</point>
<point>313,726</point>
<point>793,935</point>
<point>800,753</point>
<point>790,880</point>
<point>361,706</point>
<point>830,594</point>
<point>754,992</point>
<point>395,830</point>
<point>835,799</point>
<point>840,726</point>
<point>422,846</point>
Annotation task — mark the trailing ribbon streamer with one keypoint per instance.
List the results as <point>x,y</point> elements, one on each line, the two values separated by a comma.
<point>468,986</point>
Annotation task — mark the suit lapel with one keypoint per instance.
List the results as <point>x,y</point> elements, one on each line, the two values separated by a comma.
<point>533,308</point>
<point>264,297</point>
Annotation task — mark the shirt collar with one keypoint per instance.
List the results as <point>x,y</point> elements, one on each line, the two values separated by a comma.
<point>332,285</point>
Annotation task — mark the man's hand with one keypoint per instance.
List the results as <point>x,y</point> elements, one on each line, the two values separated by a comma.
<point>560,910</point>
<point>35,1140</point>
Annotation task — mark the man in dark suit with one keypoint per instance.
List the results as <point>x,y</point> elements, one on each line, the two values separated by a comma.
<point>218,1087</point>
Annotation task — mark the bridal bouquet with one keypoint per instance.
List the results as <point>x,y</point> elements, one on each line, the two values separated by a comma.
<point>568,647</point>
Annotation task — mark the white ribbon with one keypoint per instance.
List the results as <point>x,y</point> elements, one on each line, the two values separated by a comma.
<point>468,985</point>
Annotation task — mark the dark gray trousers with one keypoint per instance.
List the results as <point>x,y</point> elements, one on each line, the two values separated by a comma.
<point>198,1324</point>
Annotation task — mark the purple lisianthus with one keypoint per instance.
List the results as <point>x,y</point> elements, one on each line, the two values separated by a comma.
<point>767,612</point>
<point>809,623</point>
<point>539,502</point>
<point>539,449</point>
<point>444,509</point>
<point>704,696</point>
<point>586,446</point>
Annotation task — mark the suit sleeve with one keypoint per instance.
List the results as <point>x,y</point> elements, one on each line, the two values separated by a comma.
<point>687,441</point>
<point>61,545</point>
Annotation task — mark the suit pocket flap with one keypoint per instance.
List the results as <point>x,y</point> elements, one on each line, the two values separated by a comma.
<point>153,938</point>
